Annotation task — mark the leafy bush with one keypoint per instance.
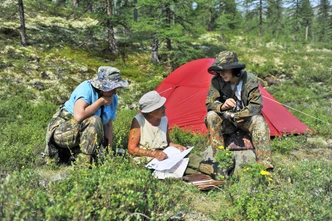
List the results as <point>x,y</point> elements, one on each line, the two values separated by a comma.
<point>117,190</point>
<point>23,196</point>
<point>187,138</point>
<point>121,128</point>
<point>23,133</point>
<point>302,190</point>
<point>286,144</point>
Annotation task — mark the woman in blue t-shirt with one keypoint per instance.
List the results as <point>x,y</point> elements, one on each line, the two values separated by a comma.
<point>85,120</point>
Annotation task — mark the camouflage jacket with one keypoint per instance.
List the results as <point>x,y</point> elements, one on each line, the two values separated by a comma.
<point>251,96</point>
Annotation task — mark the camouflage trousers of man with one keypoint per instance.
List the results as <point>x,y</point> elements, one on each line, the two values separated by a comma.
<point>255,126</point>
<point>87,134</point>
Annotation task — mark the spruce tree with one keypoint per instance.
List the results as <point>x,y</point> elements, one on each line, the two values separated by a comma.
<point>324,22</point>
<point>274,25</point>
<point>218,15</point>
<point>170,28</point>
<point>306,15</point>
<point>254,15</point>
<point>300,15</point>
<point>114,17</point>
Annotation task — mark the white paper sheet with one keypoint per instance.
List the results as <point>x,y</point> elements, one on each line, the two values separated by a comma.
<point>176,171</point>
<point>174,156</point>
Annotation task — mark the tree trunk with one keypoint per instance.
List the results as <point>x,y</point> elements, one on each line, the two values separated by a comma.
<point>22,22</point>
<point>112,47</point>
<point>260,18</point>
<point>75,3</point>
<point>168,40</point>
<point>154,51</point>
<point>209,24</point>
<point>135,11</point>
<point>90,4</point>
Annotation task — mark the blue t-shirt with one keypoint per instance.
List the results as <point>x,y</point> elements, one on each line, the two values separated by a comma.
<point>89,95</point>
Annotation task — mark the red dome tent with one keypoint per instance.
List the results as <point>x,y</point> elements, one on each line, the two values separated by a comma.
<point>186,89</point>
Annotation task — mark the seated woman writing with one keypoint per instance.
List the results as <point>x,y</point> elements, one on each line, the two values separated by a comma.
<point>149,134</point>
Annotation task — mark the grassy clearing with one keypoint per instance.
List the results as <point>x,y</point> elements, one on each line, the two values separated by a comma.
<point>298,189</point>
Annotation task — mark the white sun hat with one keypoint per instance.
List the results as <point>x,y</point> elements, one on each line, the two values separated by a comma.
<point>151,101</point>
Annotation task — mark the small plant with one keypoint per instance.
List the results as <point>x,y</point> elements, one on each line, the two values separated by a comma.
<point>225,159</point>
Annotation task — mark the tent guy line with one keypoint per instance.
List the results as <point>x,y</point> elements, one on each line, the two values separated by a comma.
<point>272,101</point>
<point>161,92</point>
<point>295,109</point>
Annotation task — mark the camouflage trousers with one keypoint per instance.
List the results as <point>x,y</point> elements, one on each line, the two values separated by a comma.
<point>87,134</point>
<point>255,126</point>
<point>194,163</point>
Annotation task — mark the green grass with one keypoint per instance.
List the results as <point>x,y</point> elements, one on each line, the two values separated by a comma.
<point>299,187</point>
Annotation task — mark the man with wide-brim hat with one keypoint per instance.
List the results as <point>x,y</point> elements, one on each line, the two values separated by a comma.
<point>234,102</point>
<point>226,60</point>
<point>79,127</point>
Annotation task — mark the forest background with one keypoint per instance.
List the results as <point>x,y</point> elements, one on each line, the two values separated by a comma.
<point>49,47</point>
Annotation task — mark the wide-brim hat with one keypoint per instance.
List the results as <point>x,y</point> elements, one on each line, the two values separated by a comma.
<point>151,101</point>
<point>226,60</point>
<point>108,78</point>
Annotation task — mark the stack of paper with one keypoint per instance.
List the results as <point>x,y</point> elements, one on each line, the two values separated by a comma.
<point>176,171</point>
<point>173,166</point>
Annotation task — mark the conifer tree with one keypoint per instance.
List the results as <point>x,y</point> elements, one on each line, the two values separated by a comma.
<point>168,25</point>
<point>110,11</point>
<point>324,21</point>
<point>13,10</point>
<point>306,15</point>
<point>300,15</point>
<point>221,15</point>
<point>274,25</point>
<point>254,15</point>
<point>114,17</point>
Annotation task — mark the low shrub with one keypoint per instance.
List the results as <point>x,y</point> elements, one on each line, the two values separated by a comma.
<point>188,138</point>
<point>121,128</point>
<point>23,133</point>
<point>303,190</point>
<point>286,144</point>
<point>116,190</point>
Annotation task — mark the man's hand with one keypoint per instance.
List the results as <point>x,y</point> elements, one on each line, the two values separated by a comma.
<point>228,104</point>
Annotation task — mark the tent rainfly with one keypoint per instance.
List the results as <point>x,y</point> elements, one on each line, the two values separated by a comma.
<point>186,89</point>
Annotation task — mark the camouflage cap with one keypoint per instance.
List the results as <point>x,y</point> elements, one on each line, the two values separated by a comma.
<point>108,78</point>
<point>226,60</point>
